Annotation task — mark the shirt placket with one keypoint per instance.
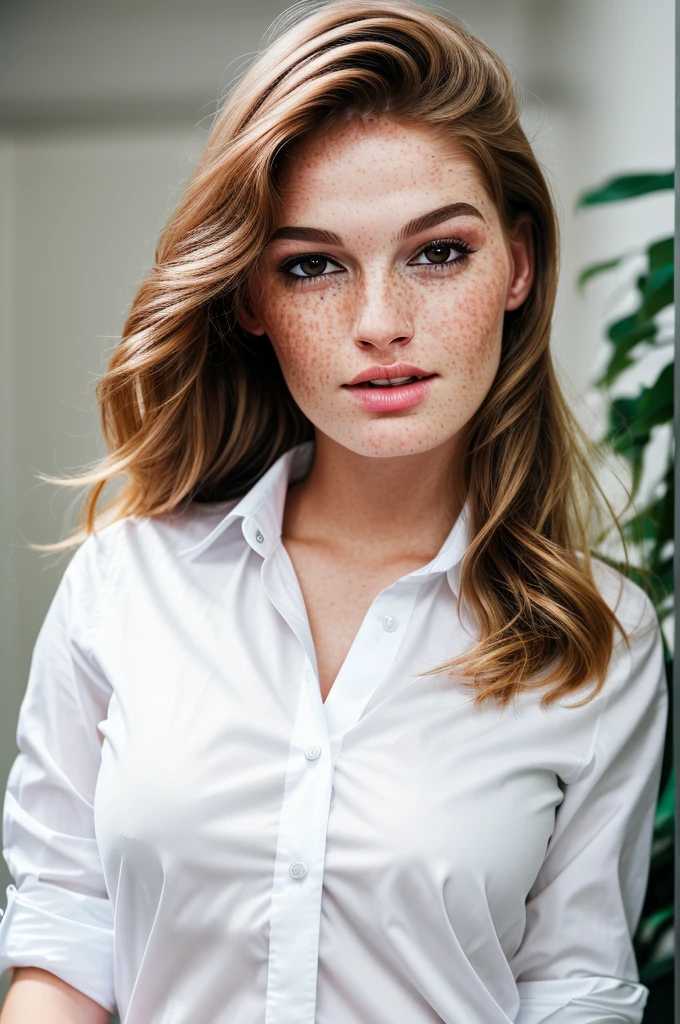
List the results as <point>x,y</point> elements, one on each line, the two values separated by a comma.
<point>298,871</point>
<point>315,744</point>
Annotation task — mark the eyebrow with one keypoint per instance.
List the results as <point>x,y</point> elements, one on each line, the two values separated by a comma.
<point>414,227</point>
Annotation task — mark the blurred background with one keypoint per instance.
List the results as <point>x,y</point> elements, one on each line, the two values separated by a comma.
<point>104,109</point>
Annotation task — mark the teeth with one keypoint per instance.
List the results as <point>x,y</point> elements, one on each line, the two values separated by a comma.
<point>382,382</point>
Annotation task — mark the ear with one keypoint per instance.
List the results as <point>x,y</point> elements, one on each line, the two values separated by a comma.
<point>247,316</point>
<point>521,246</point>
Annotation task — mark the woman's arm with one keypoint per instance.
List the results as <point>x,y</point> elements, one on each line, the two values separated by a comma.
<point>59,917</point>
<point>576,962</point>
<point>36,995</point>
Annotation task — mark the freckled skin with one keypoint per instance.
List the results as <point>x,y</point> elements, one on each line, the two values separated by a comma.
<point>371,306</point>
<point>384,489</point>
<point>375,299</point>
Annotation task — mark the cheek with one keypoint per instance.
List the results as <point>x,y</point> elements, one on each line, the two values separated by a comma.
<point>458,330</point>
<point>469,325</point>
<point>306,333</point>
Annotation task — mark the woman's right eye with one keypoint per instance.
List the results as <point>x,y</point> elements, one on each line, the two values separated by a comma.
<point>312,265</point>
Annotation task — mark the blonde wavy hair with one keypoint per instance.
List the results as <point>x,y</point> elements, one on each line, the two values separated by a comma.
<point>191,411</point>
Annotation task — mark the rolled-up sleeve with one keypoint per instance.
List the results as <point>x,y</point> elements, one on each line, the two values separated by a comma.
<point>58,914</point>
<point>576,963</point>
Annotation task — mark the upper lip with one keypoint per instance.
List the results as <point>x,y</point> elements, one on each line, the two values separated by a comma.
<point>388,372</point>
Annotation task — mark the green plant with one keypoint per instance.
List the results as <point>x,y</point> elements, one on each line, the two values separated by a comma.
<point>649,532</point>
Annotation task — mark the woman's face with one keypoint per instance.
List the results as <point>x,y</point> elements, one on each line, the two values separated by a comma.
<point>387,249</point>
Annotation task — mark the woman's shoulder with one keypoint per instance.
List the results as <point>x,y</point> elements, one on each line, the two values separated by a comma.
<point>145,539</point>
<point>636,674</point>
<point>630,603</point>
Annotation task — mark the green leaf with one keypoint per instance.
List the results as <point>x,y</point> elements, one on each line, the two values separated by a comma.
<point>627,186</point>
<point>640,528</point>
<point>654,522</point>
<point>654,405</point>
<point>631,419</point>
<point>657,971</point>
<point>664,514</point>
<point>623,413</point>
<point>618,364</point>
<point>665,576</point>
<point>662,846</point>
<point>630,331</point>
<point>657,292</point>
<point>650,927</point>
<point>625,334</point>
<point>660,253</point>
<point>665,807</point>
<point>597,268</point>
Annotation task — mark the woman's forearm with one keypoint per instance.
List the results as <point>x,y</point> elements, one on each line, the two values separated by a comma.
<point>35,996</point>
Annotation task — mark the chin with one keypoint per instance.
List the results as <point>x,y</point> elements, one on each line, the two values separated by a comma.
<point>387,440</point>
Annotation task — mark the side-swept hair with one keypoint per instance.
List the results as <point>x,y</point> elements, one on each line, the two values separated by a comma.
<point>193,411</point>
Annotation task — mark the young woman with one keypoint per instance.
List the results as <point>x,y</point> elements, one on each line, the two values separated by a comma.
<point>333,718</point>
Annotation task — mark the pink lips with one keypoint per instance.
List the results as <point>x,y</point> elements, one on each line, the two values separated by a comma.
<point>391,398</point>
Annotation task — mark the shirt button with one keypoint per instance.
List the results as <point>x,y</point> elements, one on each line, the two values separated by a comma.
<point>258,537</point>
<point>311,753</point>
<point>298,869</point>
<point>390,624</point>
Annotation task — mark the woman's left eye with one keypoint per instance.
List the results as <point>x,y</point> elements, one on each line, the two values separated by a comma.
<point>441,253</point>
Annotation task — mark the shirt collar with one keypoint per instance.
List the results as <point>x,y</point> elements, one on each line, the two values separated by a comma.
<point>261,512</point>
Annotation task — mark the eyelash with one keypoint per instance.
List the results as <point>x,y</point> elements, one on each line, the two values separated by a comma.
<point>464,249</point>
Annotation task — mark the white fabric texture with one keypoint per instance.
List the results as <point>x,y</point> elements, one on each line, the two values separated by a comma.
<point>194,836</point>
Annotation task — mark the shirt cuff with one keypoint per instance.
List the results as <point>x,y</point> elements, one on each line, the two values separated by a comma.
<point>64,932</point>
<point>593,1000</point>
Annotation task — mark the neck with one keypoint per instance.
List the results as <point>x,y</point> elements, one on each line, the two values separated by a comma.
<point>376,508</point>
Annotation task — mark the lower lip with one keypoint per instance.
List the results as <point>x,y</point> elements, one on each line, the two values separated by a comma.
<point>389,398</point>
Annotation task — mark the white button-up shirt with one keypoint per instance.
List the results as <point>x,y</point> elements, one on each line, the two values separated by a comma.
<point>197,838</point>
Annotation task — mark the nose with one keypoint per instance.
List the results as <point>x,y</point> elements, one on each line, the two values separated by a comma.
<point>382,316</point>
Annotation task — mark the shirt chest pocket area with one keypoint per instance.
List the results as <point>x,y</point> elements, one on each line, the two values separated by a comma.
<point>470,841</point>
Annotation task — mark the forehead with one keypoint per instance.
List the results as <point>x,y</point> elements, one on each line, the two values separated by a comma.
<point>383,165</point>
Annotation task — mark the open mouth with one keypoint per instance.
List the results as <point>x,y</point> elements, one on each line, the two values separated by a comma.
<point>395,382</point>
